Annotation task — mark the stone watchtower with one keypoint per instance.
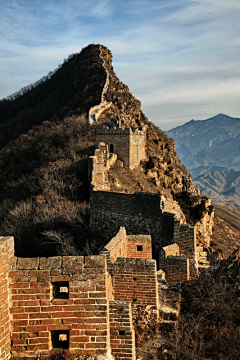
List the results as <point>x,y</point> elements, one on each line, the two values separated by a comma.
<point>129,144</point>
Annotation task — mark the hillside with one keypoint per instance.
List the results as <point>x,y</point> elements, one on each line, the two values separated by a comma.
<point>47,140</point>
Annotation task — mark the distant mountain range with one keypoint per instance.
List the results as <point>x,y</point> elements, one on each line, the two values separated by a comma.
<point>210,149</point>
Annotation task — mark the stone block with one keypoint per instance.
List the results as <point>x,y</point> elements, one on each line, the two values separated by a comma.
<point>27,263</point>
<point>73,262</point>
<point>95,261</point>
<point>54,262</point>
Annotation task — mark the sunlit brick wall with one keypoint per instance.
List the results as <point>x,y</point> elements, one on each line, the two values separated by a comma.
<point>6,255</point>
<point>37,311</point>
<point>121,331</point>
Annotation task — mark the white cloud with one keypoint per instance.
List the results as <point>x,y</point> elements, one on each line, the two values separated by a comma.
<point>178,57</point>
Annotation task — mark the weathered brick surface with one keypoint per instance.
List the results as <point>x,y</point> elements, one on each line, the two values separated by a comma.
<point>185,237</point>
<point>122,337</point>
<point>6,256</point>
<point>176,269</point>
<point>129,144</point>
<point>128,246</point>
<point>98,166</point>
<point>35,312</point>
<point>135,280</point>
<point>139,246</point>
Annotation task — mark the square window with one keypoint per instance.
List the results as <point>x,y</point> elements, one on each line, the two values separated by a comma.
<point>60,339</point>
<point>139,248</point>
<point>121,332</point>
<point>61,290</point>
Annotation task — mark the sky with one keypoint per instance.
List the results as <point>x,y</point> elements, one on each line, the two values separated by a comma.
<point>180,58</point>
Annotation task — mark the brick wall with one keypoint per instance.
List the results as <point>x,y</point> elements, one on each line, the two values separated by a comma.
<point>128,246</point>
<point>119,138</point>
<point>98,166</point>
<point>129,144</point>
<point>176,269</point>
<point>135,280</point>
<point>121,331</point>
<point>6,256</point>
<point>36,312</point>
<point>139,246</point>
<point>137,147</point>
<point>185,237</point>
<point>171,206</point>
<point>117,247</point>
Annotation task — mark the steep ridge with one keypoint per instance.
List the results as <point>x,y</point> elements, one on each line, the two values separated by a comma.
<point>45,168</point>
<point>73,88</point>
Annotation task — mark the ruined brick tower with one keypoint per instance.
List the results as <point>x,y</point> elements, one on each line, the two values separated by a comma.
<point>129,144</point>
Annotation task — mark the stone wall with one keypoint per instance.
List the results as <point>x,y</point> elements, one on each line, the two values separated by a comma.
<point>137,147</point>
<point>59,296</point>
<point>121,331</point>
<point>139,213</point>
<point>6,256</point>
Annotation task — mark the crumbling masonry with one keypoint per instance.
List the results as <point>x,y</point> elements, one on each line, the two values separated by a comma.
<point>84,304</point>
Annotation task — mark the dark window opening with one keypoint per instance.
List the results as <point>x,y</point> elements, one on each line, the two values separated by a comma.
<point>111,148</point>
<point>134,300</point>
<point>121,332</point>
<point>139,248</point>
<point>60,339</point>
<point>134,278</point>
<point>61,290</point>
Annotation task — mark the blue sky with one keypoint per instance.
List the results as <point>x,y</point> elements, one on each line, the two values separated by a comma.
<point>180,58</point>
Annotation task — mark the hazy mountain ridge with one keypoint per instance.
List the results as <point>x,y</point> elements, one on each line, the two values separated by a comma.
<point>222,186</point>
<point>211,142</point>
<point>210,149</point>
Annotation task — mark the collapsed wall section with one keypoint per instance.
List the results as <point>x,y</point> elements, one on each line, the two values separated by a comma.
<point>6,257</point>
<point>59,303</point>
<point>98,166</point>
<point>117,140</point>
<point>185,237</point>
<point>139,213</point>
